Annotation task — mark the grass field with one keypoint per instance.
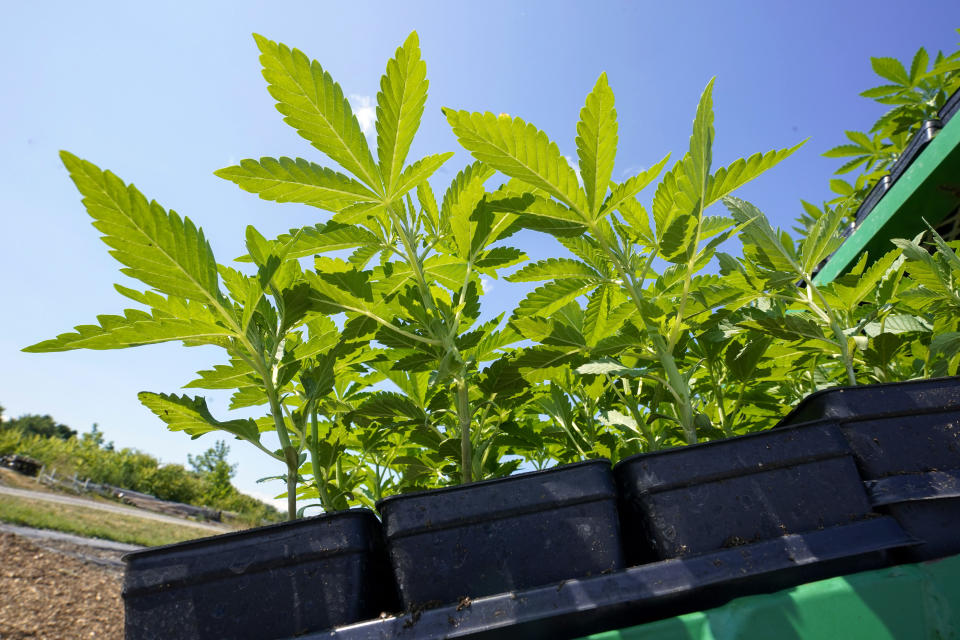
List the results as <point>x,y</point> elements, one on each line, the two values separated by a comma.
<point>93,524</point>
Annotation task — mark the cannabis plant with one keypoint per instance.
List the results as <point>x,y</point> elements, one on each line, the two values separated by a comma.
<point>411,282</point>
<point>651,317</point>
<point>259,320</point>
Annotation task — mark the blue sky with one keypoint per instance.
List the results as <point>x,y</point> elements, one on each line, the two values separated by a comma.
<point>166,94</point>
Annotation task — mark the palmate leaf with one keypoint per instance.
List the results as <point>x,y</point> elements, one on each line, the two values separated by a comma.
<point>403,92</point>
<point>519,150</point>
<point>597,142</point>
<point>289,180</point>
<point>553,269</point>
<point>158,248</point>
<point>183,413</point>
<point>135,328</point>
<point>891,69</point>
<point>315,106</point>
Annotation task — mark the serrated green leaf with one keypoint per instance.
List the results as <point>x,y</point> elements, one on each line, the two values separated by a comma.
<point>499,258</point>
<point>133,329</point>
<point>288,180</point>
<point>235,375</point>
<point>388,404</point>
<point>677,239</point>
<point>597,142</point>
<point>891,69</point>
<point>400,101</point>
<point>897,323</point>
<point>182,413</point>
<point>553,268</point>
<point>697,162</point>
<point>550,297</point>
<point>614,418</point>
<point>315,106</point>
<point>919,65</point>
<point>418,172</point>
<point>626,190</point>
<point>520,151</point>
<point>727,179</point>
<point>758,233</point>
<point>881,91</point>
<point>821,240</point>
<point>158,248</point>
<point>459,202</point>
<point>610,367</point>
<point>321,238</point>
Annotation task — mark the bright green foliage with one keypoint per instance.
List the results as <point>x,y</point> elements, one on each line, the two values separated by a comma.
<point>372,365</point>
<point>915,93</point>
<point>257,320</point>
<point>420,298</point>
<point>649,321</point>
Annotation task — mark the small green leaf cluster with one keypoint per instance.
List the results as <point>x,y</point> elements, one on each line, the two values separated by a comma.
<point>914,93</point>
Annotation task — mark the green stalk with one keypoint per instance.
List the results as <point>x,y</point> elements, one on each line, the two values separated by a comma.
<point>837,331</point>
<point>319,481</point>
<point>677,383</point>
<point>464,418</point>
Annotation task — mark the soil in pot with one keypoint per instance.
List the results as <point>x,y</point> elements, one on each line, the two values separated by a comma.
<point>734,492</point>
<point>500,535</point>
<point>272,582</point>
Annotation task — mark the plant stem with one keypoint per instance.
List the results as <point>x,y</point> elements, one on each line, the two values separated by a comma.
<point>318,479</point>
<point>463,414</point>
<point>837,331</point>
<point>676,381</point>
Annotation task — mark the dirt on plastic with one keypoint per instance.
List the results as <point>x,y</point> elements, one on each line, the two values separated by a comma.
<point>49,592</point>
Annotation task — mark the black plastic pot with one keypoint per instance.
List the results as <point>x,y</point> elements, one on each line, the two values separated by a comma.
<point>711,496</point>
<point>273,582</point>
<point>949,108</point>
<point>888,399</point>
<point>876,194</point>
<point>906,440</point>
<point>575,608</point>
<point>497,535</point>
<point>919,141</point>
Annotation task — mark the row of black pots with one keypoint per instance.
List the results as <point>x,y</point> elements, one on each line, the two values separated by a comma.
<point>928,130</point>
<point>699,524</point>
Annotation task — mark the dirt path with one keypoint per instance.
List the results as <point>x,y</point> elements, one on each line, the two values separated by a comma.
<point>93,550</point>
<point>47,594</point>
<point>113,508</point>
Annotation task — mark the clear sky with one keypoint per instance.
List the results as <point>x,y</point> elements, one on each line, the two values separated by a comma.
<point>164,94</point>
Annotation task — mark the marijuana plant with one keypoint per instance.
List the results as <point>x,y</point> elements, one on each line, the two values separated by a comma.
<point>617,249</point>
<point>420,299</point>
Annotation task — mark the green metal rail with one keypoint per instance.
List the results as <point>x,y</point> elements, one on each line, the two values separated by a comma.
<point>909,602</point>
<point>928,190</point>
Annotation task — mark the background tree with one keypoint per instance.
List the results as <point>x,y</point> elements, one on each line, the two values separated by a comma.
<point>45,426</point>
<point>212,465</point>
